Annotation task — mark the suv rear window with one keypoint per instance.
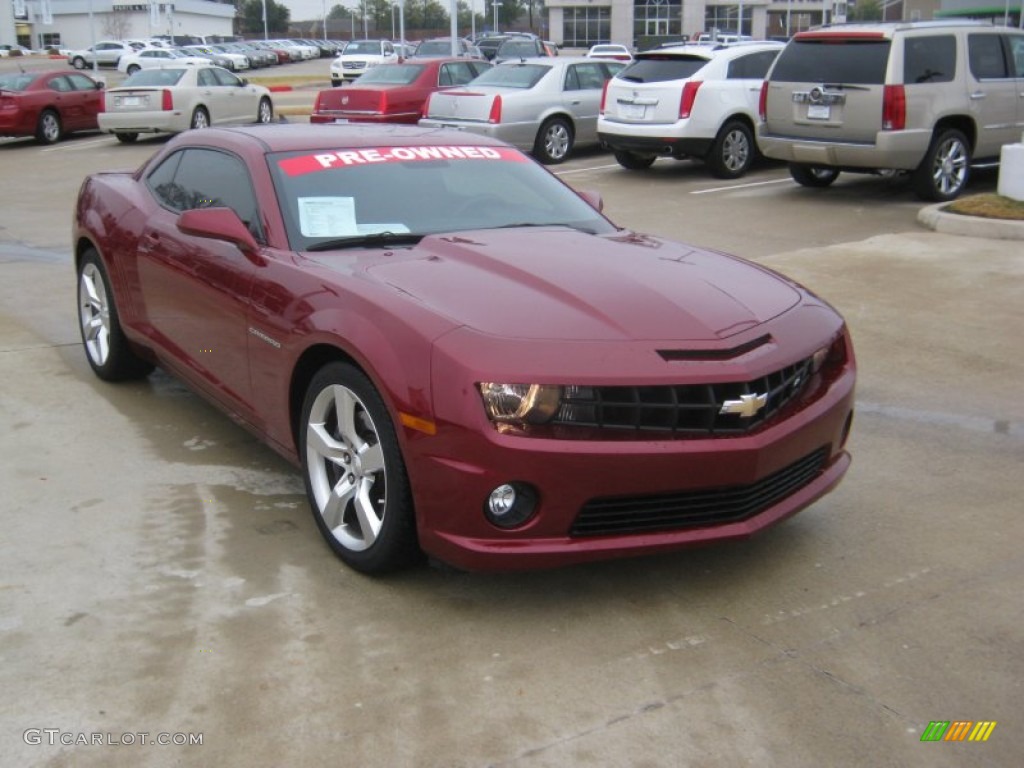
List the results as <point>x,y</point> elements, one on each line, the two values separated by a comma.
<point>929,59</point>
<point>657,69</point>
<point>833,60</point>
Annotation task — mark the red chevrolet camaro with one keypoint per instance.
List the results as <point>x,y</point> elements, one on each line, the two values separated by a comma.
<point>466,358</point>
<point>393,93</point>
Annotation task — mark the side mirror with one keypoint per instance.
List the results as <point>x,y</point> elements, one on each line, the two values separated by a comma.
<point>219,224</point>
<point>593,198</point>
<point>100,85</point>
<point>243,81</point>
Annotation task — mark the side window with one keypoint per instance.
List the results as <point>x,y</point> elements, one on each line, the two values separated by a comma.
<point>586,76</point>
<point>986,57</point>
<point>445,76</point>
<point>572,80</point>
<point>225,78</point>
<point>206,178</point>
<point>205,77</point>
<point>1016,43</point>
<point>930,59</point>
<point>753,66</point>
<point>81,82</point>
<point>459,73</point>
<point>59,84</point>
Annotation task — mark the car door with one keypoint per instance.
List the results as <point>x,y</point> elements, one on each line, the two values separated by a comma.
<point>214,94</point>
<point>581,96</point>
<point>238,99</point>
<point>741,88</point>
<point>82,102</point>
<point>993,92</point>
<point>1015,45</point>
<point>195,291</point>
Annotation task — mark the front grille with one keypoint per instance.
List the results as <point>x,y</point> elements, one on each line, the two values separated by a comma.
<point>695,509</point>
<point>689,409</point>
<point>353,65</point>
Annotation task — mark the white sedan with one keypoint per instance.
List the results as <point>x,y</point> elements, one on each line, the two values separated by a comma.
<point>158,57</point>
<point>174,99</point>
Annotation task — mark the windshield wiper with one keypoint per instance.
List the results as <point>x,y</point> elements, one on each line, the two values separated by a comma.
<point>360,241</point>
<point>517,224</point>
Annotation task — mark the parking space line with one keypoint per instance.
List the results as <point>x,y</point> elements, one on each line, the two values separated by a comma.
<point>584,170</point>
<point>87,144</point>
<point>740,186</point>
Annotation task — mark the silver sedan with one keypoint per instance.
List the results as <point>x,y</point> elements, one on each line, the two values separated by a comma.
<point>544,105</point>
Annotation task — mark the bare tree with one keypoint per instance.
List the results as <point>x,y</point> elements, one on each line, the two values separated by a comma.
<point>116,25</point>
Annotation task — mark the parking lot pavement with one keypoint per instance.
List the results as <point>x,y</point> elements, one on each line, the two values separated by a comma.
<point>160,573</point>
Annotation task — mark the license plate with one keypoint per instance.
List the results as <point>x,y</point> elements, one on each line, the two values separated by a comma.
<point>818,111</point>
<point>131,101</point>
<point>451,125</point>
<point>341,120</point>
<point>633,111</point>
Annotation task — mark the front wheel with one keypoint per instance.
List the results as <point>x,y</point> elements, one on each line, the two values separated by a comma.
<point>355,476</point>
<point>945,169</point>
<point>732,152</point>
<point>200,118</point>
<point>265,112</point>
<point>49,130</point>
<point>126,137</point>
<point>816,176</point>
<point>106,348</point>
<point>78,62</point>
<point>132,69</point>
<point>633,161</point>
<point>554,141</point>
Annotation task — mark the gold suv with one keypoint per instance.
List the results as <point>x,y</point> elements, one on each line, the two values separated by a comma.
<point>931,99</point>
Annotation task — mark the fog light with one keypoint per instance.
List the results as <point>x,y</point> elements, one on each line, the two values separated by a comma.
<point>511,504</point>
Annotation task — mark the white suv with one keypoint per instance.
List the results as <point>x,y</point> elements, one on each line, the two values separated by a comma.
<point>359,56</point>
<point>931,99</point>
<point>691,101</point>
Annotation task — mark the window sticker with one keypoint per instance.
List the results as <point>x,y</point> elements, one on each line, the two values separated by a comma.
<point>327,217</point>
<point>322,161</point>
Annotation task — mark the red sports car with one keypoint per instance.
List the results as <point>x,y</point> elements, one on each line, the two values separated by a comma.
<point>466,358</point>
<point>393,93</point>
<point>48,105</point>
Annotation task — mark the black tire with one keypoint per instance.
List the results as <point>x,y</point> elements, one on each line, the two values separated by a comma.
<point>127,138</point>
<point>49,129</point>
<point>106,348</point>
<point>200,118</point>
<point>554,141</point>
<point>78,62</point>
<point>816,176</point>
<point>633,160</point>
<point>946,167</point>
<point>733,151</point>
<point>265,111</point>
<point>132,69</point>
<point>348,461</point>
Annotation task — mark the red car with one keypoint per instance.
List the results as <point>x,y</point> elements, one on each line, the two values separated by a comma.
<point>394,93</point>
<point>48,105</point>
<point>497,379</point>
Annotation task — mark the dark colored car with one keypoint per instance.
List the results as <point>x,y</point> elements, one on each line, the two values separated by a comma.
<point>48,105</point>
<point>393,93</point>
<point>489,46</point>
<point>517,48</point>
<point>466,358</point>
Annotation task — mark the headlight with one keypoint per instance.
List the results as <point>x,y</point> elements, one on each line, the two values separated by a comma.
<point>521,403</point>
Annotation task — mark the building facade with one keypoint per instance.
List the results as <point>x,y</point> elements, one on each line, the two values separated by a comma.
<point>41,24</point>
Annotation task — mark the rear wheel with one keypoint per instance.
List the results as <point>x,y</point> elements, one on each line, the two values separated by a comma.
<point>133,68</point>
<point>554,141</point>
<point>945,169</point>
<point>200,118</point>
<point>48,129</point>
<point>106,348</point>
<point>265,113</point>
<point>633,160</point>
<point>818,176</point>
<point>78,62</point>
<point>354,472</point>
<point>733,151</point>
<point>127,138</point>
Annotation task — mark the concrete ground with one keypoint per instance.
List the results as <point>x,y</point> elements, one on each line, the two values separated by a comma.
<point>160,572</point>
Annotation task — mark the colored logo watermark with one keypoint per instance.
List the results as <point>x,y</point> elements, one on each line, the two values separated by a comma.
<point>958,730</point>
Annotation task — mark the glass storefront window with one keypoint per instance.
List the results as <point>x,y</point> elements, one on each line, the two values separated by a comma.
<point>584,27</point>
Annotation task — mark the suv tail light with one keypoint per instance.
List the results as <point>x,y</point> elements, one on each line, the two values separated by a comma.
<point>689,95</point>
<point>495,116</point>
<point>894,108</point>
<point>167,103</point>
<point>604,96</point>
<point>762,102</point>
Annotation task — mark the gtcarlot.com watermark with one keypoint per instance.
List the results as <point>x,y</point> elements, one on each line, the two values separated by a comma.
<point>55,737</point>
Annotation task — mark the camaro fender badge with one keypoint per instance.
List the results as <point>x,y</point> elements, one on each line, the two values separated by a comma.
<point>746,407</point>
<point>263,337</point>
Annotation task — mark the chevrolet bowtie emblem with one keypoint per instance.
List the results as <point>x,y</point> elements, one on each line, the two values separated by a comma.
<point>746,407</point>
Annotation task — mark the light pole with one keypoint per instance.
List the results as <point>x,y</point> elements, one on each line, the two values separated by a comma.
<point>495,5</point>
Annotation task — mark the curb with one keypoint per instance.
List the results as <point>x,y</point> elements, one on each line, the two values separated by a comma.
<point>934,217</point>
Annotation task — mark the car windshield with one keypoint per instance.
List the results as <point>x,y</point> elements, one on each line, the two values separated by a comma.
<point>363,48</point>
<point>330,196</point>
<point>155,77</point>
<point>657,68</point>
<point>15,81</point>
<point>435,48</point>
<point>395,74</point>
<point>513,75</point>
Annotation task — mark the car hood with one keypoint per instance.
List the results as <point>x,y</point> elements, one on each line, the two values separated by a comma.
<point>555,283</point>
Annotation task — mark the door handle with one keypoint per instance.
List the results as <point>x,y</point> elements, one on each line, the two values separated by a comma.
<point>977,96</point>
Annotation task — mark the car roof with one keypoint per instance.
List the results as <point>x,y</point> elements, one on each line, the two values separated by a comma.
<point>292,137</point>
<point>884,28</point>
<point>711,51</point>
